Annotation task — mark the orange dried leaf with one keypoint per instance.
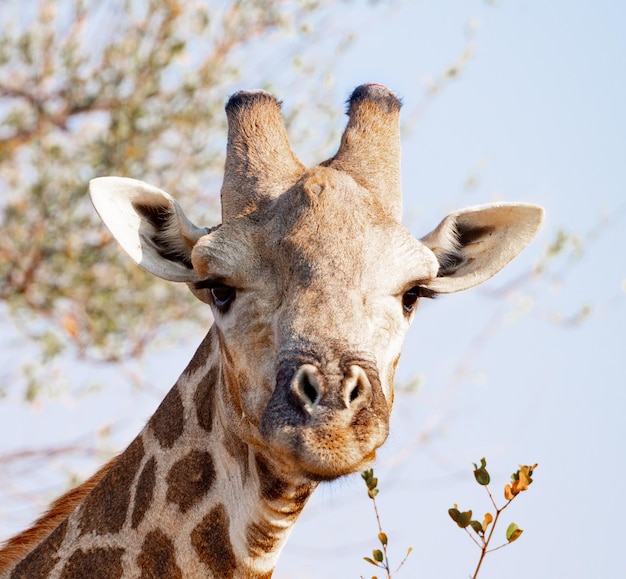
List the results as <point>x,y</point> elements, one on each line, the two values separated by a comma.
<point>521,480</point>
<point>525,477</point>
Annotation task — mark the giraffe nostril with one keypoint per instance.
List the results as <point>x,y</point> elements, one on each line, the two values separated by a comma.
<point>307,385</point>
<point>308,390</point>
<point>311,389</point>
<point>357,388</point>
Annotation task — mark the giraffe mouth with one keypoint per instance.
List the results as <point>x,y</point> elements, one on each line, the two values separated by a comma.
<point>321,456</point>
<point>330,444</point>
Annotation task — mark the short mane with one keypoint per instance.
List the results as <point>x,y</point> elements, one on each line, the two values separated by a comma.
<point>17,547</point>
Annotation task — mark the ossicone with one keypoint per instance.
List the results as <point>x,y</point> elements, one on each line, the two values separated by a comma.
<point>259,160</point>
<point>370,145</point>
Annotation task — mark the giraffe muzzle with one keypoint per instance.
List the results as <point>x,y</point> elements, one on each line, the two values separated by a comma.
<point>330,419</point>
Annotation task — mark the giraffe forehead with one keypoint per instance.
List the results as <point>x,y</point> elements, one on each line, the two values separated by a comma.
<point>327,226</point>
<point>328,207</point>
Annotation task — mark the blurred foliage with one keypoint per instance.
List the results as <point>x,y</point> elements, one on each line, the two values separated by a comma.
<point>131,88</point>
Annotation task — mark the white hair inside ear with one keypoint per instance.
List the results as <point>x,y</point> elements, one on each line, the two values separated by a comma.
<point>149,225</point>
<point>474,244</point>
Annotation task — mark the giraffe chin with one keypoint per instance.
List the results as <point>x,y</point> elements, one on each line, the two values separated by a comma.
<point>320,474</point>
<point>321,458</point>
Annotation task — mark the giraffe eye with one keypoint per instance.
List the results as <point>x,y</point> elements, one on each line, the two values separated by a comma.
<point>223,296</point>
<point>409,299</point>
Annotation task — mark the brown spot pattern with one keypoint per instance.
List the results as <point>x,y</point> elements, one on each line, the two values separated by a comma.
<point>200,357</point>
<point>211,540</point>
<point>203,399</point>
<point>95,564</point>
<point>301,496</point>
<point>43,558</point>
<point>272,486</point>
<point>167,423</point>
<point>261,539</point>
<point>232,393</point>
<point>144,492</point>
<point>298,500</point>
<point>190,479</point>
<point>104,510</point>
<point>157,559</point>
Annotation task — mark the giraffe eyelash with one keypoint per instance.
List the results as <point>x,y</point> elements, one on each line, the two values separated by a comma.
<point>209,283</point>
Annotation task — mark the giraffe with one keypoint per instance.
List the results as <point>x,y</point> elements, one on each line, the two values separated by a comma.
<point>313,283</point>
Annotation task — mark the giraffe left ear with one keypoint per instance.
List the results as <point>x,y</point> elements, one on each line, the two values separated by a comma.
<point>148,224</point>
<point>474,244</point>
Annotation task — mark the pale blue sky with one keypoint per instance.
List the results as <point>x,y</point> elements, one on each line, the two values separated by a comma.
<point>537,115</point>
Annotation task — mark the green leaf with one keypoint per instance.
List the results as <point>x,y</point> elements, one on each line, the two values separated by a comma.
<point>466,517</point>
<point>513,532</point>
<point>378,555</point>
<point>370,480</point>
<point>478,528</point>
<point>462,519</point>
<point>480,473</point>
<point>455,514</point>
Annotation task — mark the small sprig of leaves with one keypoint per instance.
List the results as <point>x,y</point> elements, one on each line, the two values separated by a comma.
<point>379,557</point>
<point>482,533</point>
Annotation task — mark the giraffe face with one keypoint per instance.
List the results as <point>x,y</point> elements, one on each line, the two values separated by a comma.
<point>309,293</point>
<point>312,279</point>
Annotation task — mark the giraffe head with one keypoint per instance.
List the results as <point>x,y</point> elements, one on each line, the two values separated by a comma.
<point>311,277</point>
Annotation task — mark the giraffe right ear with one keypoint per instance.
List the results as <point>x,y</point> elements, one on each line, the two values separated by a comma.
<point>149,225</point>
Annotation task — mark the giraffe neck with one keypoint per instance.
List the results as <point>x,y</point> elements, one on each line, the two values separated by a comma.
<point>187,498</point>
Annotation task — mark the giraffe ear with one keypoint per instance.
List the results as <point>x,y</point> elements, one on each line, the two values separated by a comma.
<point>474,244</point>
<point>148,224</point>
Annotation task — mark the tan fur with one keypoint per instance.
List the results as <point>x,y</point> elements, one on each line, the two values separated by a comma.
<point>19,546</point>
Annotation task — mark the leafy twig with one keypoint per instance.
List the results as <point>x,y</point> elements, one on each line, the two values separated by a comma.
<point>380,557</point>
<point>483,532</point>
